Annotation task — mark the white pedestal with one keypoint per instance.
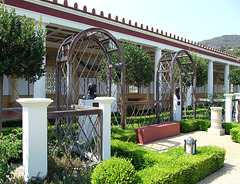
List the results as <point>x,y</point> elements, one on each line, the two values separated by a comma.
<point>216,121</point>
<point>105,105</point>
<point>114,94</point>
<point>228,108</point>
<point>236,107</point>
<point>177,113</point>
<point>34,115</point>
<point>189,96</point>
<point>85,123</point>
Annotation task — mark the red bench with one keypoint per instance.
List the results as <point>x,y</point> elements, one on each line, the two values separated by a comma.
<point>156,132</point>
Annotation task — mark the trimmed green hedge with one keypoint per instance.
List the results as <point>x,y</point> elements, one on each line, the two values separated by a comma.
<point>173,166</point>
<point>127,135</point>
<point>141,157</point>
<point>182,168</point>
<point>203,125</point>
<point>235,134</point>
<point>12,123</point>
<point>115,170</point>
<point>229,126</point>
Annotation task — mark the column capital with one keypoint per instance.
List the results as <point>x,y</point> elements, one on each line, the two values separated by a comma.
<point>228,95</point>
<point>106,100</point>
<point>237,95</point>
<point>31,102</point>
<point>216,108</point>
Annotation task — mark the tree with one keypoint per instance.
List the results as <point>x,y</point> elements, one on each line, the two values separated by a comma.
<point>201,71</point>
<point>21,48</point>
<point>234,76</point>
<point>138,63</point>
<point>139,70</point>
<point>237,53</point>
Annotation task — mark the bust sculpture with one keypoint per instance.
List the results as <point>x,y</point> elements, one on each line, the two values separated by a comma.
<point>177,91</point>
<point>92,88</point>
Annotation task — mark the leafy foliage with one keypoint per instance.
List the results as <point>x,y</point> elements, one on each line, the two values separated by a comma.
<point>201,71</point>
<point>139,70</point>
<point>10,148</point>
<point>235,134</point>
<point>126,135</point>
<point>172,166</point>
<point>114,170</point>
<point>21,46</point>
<point>237,53</point>
<point>12,123</point>
<point>234,76</point>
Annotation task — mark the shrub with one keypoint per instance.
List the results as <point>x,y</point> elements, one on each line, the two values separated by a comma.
<point>235,134</point>
<point>12,123</point>
<point>229,126</point>
<point>10,149</point>
<point>183,168</point>
<point>114,170</point>
<point>172,166</point>
<point>203,125</point>
<point>127,135</point>
<point>61,170</point>
<point>188,125</point>
<point>67,169</point>
<point>10,130</point>
<point>140,157</point>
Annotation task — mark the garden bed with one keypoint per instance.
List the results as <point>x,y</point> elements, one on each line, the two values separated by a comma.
<point>173,166</point>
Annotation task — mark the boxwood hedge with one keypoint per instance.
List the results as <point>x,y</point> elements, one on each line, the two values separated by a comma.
<point>173,166</point>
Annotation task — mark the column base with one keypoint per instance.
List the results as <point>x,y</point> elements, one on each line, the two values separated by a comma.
<point>217,132</point>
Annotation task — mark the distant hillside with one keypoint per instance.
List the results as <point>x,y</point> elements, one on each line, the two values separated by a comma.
<point>228,43</point>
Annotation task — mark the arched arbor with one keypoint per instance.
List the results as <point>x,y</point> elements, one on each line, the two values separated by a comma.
<point>85,58</point>
<point>176,70</point>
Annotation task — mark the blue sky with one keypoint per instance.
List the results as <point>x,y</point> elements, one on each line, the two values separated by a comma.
<point>196,20</point>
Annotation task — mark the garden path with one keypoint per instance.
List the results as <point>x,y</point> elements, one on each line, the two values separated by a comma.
<point>230,172</point>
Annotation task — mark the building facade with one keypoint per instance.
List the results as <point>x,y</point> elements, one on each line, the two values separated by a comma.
<point>62,21</point>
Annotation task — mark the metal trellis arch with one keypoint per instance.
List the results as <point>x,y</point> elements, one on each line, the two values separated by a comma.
<point>80,61</point>
<point>169,76</point>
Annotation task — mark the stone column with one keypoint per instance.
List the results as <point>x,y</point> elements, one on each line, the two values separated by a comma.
<point>237,118</point>
<point>210,79</point>
<point>216,121</point>
<point>34,120</point>
<point>40,85</point>
<point>105,105</point>
<point>226,80</point>
<point>228,108</point>
<point>158,53</point>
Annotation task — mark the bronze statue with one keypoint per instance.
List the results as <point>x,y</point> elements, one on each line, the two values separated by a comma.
<point>92,89</point>
<point>177,91</point>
